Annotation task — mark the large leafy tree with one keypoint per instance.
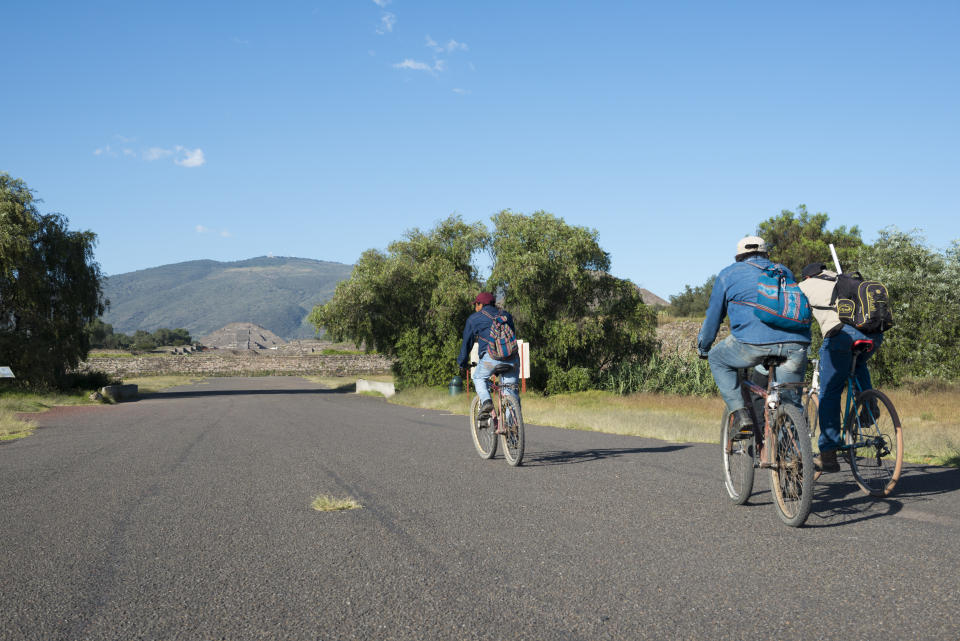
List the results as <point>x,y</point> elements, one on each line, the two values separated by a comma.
<point>924,287</point>
<point>799,238</point>
<point>578,318</point>
<point>411,302</point>
<point>49,288</point>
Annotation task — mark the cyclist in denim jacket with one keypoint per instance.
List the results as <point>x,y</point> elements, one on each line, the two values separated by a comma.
<point>750,339</point>
<point>477,326</point>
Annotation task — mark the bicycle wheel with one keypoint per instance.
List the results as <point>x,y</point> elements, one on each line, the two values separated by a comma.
<point>791,476</point>
<point>738,460</point>
<point>483,437</point>
<point>512,436</point>
<point>875,441</point>
<point>811,413</point>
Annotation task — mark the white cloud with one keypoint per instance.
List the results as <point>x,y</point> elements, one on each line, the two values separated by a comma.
<point>412,64</point>
<point>462,92</point>
<point>451,46</point>
<point>180,155</point>
<point>381,3</point>
<point>156,153</point>
<point>387,20</point>
<point>416,65</point>
<point>190,157</point>
<point>223,233</point>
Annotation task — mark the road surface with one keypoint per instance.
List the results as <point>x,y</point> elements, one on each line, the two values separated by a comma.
<point>187,515</point>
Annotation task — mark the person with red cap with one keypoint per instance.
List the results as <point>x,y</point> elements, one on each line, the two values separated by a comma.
<point>476,330</point>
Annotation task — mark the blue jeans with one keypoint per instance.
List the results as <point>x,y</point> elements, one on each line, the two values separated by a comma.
<point>835,358</point>
<point>483,370</point>
<point>730,354</point>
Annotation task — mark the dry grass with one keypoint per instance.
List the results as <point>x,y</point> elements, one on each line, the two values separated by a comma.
<point>660,416</point>
<point>150,384</point>
<point>347,383</point>
<point>13,402</point>
<point>931,425</point>
<point>11,427</point>
<point>931,420</point>
<point>327,503</point>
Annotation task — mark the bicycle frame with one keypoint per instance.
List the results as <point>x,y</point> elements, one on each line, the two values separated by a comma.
<point>853,390</point>
<point>771,400</point>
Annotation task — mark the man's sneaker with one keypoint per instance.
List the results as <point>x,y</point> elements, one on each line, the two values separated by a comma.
<point>742,423</point>
<point>485,408</point>
<point>827,461</point>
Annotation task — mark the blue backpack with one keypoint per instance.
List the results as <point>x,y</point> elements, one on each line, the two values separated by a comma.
<point>780,303</point>
<point>501,341</point>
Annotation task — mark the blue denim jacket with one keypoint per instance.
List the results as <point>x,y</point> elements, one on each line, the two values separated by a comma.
<point>738,283</point>
<point>478,324</point>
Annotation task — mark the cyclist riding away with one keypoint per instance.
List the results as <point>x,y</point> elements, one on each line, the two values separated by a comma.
<point>477,330</point>
<point>836,354</point>
<point>751,339</point>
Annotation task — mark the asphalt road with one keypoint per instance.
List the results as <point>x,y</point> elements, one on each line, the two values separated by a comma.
<point>187,515</point>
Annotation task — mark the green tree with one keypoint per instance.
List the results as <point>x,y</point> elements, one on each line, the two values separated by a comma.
<point>798,239</point>
<point>692,301</point>
<point>578,318</point>
<point>49,288</point>
<point>924,287</point>
<point>411,302</point>
<point>143,341</point>
<point>173,337</point>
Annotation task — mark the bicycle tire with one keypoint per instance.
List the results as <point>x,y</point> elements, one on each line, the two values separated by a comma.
<point>738,462</point>
<point>875,442</point>
<point>512,438</point>
<point>483,437</point>
<point>791,477</point>
<point>811,414</point>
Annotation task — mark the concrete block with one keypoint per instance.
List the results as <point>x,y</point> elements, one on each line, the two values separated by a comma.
<point>120,393</point>
<point>386,389</point>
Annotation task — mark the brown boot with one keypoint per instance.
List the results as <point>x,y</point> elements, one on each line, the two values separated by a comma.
<point>827,461</point>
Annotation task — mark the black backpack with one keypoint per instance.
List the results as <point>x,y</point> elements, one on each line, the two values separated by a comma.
<point>865,304</point>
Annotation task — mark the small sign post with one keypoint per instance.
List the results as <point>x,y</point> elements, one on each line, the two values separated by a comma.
<point>524,348</point>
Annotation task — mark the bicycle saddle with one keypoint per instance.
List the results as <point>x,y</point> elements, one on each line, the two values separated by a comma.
<point>500,368</point>
<point>862,345</point>
<point>773,361</point>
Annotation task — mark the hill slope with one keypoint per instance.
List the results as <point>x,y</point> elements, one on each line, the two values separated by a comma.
<point>205,295</point>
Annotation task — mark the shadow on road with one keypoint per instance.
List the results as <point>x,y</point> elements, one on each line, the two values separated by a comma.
<point>242,392</point>
<point>563,457</point>
<point>842,503</point>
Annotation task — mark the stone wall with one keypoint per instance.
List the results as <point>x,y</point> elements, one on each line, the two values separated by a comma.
<point>238,363</point>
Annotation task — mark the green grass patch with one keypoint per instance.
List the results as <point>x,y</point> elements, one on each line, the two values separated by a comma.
<point>340,352</point>
<point>327,503</point>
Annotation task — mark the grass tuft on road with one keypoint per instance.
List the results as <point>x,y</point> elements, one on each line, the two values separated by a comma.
<point>327,503</point>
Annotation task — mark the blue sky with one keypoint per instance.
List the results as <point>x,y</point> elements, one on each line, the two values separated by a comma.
<point>227,130</point>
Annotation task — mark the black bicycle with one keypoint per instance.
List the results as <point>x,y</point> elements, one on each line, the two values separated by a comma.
<point>870,429</point>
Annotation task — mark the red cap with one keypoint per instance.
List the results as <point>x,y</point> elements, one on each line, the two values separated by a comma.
<point>485,298</point>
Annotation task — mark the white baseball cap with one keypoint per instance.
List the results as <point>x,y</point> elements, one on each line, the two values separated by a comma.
<point>751,244</point>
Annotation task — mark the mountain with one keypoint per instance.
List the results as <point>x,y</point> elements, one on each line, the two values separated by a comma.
<point>276,293</point>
